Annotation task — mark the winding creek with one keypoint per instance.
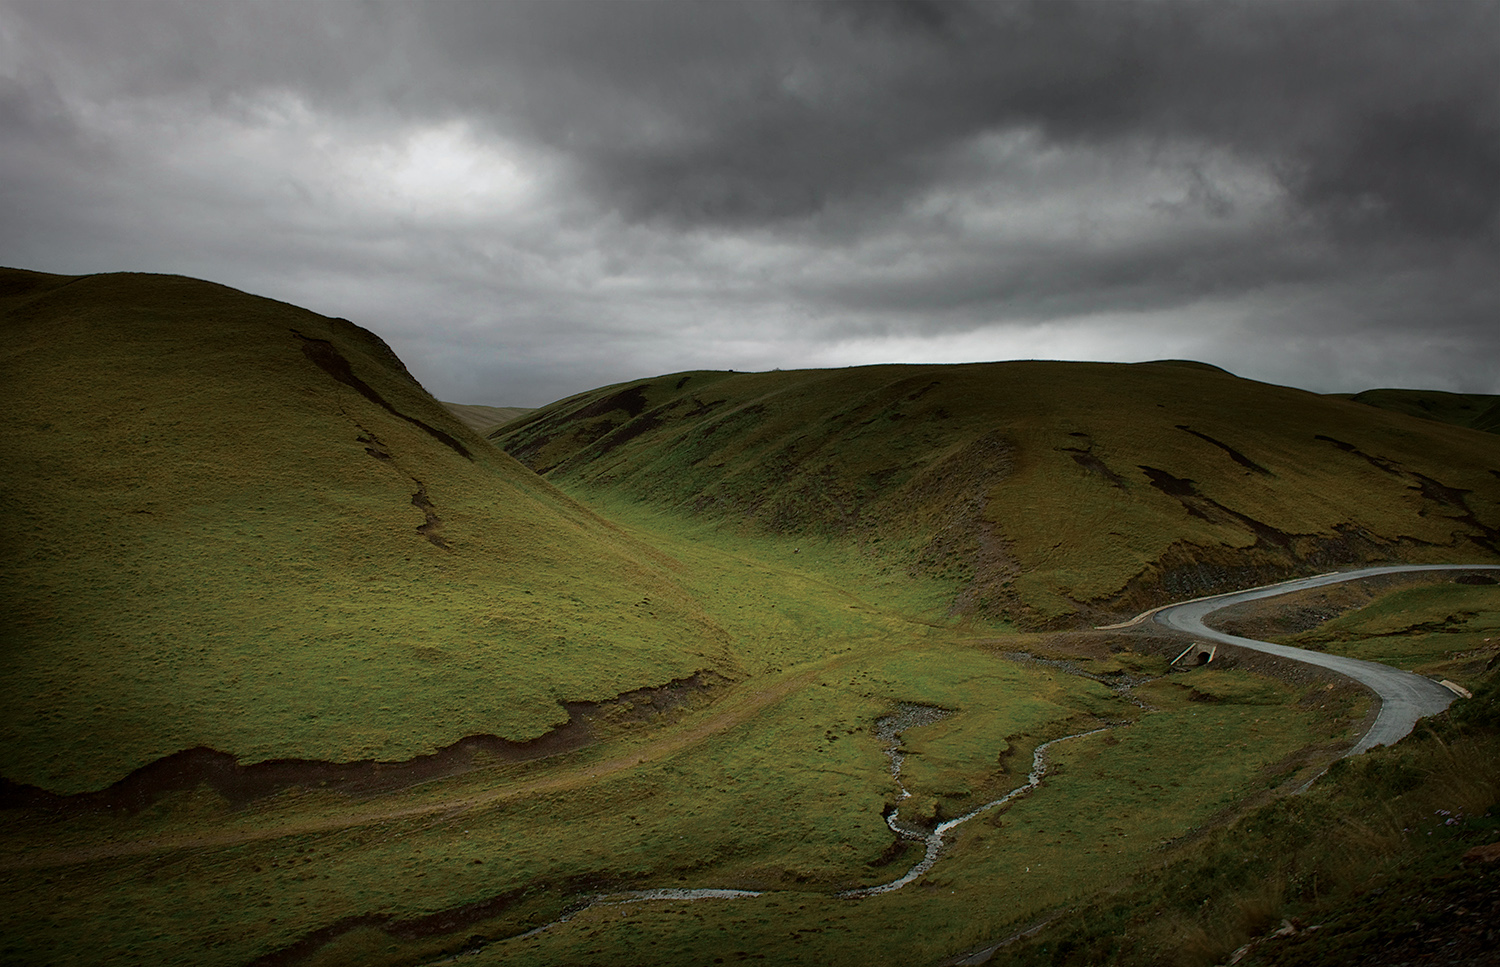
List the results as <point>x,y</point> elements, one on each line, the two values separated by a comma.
<point>934,839</point>
<point>889,729</point>
<point>1404,697</point>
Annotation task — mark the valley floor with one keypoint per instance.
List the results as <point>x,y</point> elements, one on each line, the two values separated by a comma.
<point>776,789</point>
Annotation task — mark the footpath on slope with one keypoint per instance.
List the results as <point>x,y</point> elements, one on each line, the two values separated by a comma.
<point>738,710</point>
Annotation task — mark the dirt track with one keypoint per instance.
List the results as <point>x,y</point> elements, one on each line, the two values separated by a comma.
<point>1402,703</point>
<point>735,710</point>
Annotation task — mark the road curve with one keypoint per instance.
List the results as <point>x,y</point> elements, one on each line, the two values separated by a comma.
<point>1404,697</point>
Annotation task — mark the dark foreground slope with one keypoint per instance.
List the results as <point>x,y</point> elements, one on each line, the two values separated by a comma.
<point>1391,859</point>
<point>237,524</point>
<point>1042,490</point>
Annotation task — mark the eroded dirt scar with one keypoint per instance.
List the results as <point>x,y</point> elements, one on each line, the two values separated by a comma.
<point>243,784</point>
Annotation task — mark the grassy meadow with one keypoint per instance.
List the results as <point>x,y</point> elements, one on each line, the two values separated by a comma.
<point>1432,624</point>
<point>1478,411</point>
<point>483,419</point>
<point>1440,629</point>
<point>238,525</point>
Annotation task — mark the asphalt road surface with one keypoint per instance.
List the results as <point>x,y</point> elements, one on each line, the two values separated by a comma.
<point>1404,697</point>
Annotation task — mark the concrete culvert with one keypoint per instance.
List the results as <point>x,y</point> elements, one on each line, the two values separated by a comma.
<point>1195,655</point>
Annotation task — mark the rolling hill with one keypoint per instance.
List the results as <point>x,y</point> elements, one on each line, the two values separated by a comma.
<point>1045,492</point>
<point>483,419</point>
<point>349,650</point>
<point>236,524</point>
<point>1478,411</point>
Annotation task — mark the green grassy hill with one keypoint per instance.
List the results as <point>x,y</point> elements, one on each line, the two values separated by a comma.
<point>1475,410</point>
<point>239,525</point>
<point>234,523</point>
<point>1043,491</point>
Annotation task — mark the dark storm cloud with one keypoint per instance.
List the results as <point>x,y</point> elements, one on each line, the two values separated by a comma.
<point>565,194</point>
<point>1384,111</point>
<point>1432,171</point>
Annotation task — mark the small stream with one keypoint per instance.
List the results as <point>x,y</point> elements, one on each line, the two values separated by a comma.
<point>889,729</point>
<point>934,839</point>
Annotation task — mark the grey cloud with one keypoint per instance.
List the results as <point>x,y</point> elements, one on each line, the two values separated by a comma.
<point>744,114</point>
<point>739,171</point>
<point>1330,95</point>
<point>1432,171</point>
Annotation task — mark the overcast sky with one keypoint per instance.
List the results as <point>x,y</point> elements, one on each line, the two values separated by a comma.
<point>530,200</point>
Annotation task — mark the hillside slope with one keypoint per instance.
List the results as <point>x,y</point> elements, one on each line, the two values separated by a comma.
<point>1477,411</point>
<point>483,419</point>
<point>1047,492</point>
<point>238,524</point>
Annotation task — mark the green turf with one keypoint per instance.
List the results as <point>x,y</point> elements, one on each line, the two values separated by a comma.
<point>483,419</point>
<point>203,551</point>
<point>224,536</point>
<point>1475,410</point>
<point>1371,856</point>
<point>1048,493</point>
<point>790,802</point>
<point>1436,628</point>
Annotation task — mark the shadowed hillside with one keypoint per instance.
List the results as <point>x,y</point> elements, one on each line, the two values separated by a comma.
<point>1045,491</point>
<point>237,524</point>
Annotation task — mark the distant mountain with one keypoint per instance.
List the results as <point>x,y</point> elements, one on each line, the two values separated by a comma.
<point>238,524</point>
<point>482,419</point>
<point>1474,410</point>
<point>1052,493</point>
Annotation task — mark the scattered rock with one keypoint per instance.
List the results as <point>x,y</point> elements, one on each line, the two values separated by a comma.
<point>1483,854</point>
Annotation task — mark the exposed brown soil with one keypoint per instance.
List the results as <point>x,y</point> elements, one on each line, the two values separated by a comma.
<point>963,531</point>
<point>332,362</point>
<point>1234,454</point>
<point>241,785</point>
<point>1084,457</point>
<point>1439,493</point>
<point>442,923</point>
<point>433,528</point>
<point>1187,570</point>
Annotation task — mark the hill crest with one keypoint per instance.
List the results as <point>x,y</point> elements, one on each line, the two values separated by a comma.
<point>1050,492</point>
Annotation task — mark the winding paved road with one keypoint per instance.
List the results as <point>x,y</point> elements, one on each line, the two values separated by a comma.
<point>1404,697</point>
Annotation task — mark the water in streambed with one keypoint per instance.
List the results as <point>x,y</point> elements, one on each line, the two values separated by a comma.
<point>889,729</point>
<point>934,839</point>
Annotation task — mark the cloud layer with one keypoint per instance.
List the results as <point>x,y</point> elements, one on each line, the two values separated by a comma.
<point>528,200</point>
